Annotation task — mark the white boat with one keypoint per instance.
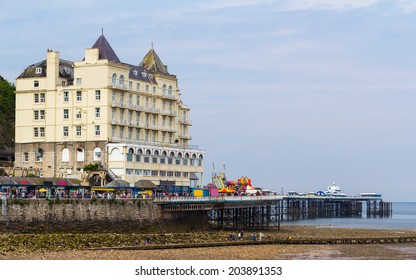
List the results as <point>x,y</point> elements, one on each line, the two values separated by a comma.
<point>334,190</point>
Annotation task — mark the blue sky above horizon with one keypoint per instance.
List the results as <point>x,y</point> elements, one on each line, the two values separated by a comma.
<point>294,94</point>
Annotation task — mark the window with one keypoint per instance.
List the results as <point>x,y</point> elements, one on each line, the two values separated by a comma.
<point>177,174</point>
<point>42,114</point>
<point>147,102</point>
<point>79,96</point>
<point>80,154</point>
<point>39,154</point>
<point>97,112</point>
<point>147,88</point>
<point>113,96</point>
<point>170,173</point>
<point>97,95</point>
<point>130,155</point>
<point>38,70</point>
<point>162,173</point>
<point>163,136</point>
<point>66,96</point>
<point>163,104</point>
<point>154,136</point>
<point>164,89</point>
<point>138,100</point>
<point>138,172</point>
<point>114,78</point>
<point>130,98</point>
<point>137,117</point>
<point>130,84</point>
<point>137,133</point>
<point>170,137</point>
<point>78,130</point>
<point>155,173</point>
<point>79,114</point>
<point>42,98</point>
<point>66,114</point>
<point>146,172</point>
<point>97,154</point>
<point>36,98</point>
<point>154,102</point>
<point>185,174</point>
<point>170,90</point>
<point>121,114</point>
<point>122,97</point>
<point>42,131</point>
<point>36,132</point>
<point>121,81</point>
<point>130,132</point>
<point>36,115</point>
<point>138,86</point>
<point>35,83</point>
<point>79,81</point>
<point>129,171</point>
<point>121,132</point>
<point>130,115</point>
<point>113,131</point>
<point>66,131</point>
<point>154,119</point>
<point>97,130</point>
<point>25,156</point>
<point>170,122</point>
<point>146,135</point>
<point>65,155</point>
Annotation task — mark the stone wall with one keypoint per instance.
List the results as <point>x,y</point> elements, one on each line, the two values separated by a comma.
<point>95,215</point>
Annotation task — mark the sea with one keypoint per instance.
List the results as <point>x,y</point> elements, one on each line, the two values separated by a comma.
<point>402,217</point>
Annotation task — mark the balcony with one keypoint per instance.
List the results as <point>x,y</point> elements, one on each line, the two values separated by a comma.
<point>185,136</point>
<point>120,86</point>
<point>169,113</point>
<point>185,121</point>
<point>169,96</point>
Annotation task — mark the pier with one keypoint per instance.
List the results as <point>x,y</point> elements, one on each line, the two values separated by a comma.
<point>261,212</point>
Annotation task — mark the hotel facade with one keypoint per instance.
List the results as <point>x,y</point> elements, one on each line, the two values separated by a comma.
<point>129,119</point>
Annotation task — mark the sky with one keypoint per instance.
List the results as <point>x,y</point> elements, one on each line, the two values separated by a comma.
<point>295,94</point>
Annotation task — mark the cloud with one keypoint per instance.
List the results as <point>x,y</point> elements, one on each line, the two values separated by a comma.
<point>339,5</point>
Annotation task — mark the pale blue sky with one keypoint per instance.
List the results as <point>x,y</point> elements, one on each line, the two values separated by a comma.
<point>294,94</point>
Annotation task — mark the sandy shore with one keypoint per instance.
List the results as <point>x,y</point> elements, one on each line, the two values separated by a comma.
<point>80,251</point>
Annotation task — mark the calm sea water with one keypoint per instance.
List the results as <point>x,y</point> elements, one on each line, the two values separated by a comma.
<point>403,217</point>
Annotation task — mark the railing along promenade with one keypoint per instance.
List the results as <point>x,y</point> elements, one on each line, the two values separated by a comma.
<point>214,199</point>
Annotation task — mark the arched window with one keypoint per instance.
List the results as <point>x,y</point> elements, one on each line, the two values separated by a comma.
<point>155,156</point>
<point>65,155</point>
<point>170,90</point>
<point>147,156</point>
<point>193,159</point>
<point>163,157</point>
<point>114,78</point>
<point>121,80</point>
<point>115,155</point>
<point>130,154</point>
<point>164,89</point>
<point>80,154</point>
<point>185,160</point>
<point>139,155</point>
<point>170,158</point>
<point>200,158</point>
<point>97,154</point>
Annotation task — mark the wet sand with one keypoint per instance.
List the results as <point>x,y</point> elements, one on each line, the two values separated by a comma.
<point>388,251</point>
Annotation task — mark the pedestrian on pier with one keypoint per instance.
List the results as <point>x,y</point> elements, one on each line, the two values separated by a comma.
<point>147,240</point>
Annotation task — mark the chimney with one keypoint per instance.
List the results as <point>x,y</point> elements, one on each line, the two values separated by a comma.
<point>52,69</point>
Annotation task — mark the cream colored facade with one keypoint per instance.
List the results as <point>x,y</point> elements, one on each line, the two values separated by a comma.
<point>130,119</point>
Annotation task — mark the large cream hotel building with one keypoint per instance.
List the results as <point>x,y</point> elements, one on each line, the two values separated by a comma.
<point>128,118</point>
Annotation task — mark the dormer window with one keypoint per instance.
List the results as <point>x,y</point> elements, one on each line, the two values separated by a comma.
<point>135,72</point>
<point>38,70</point>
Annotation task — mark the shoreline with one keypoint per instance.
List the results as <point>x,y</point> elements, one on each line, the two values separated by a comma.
<point>73,246</point>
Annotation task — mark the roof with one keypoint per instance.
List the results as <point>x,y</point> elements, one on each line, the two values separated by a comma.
<point>152,62</point>
<point>145,184</point>
<point>66,70</point>
<point>105,50</point>
<point>139,73</point>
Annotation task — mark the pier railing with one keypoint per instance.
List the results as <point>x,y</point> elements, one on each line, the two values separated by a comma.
<point>184,199</point>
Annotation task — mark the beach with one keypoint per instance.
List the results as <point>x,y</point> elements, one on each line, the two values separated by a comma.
<point>79,246</point>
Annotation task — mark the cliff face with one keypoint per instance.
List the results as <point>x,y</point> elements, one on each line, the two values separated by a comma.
<point>7,115</point>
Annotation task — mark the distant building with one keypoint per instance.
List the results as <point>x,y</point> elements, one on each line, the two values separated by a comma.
<point>128,118</point>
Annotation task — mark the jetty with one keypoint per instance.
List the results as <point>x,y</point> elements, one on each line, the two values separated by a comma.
<point>263,211</point>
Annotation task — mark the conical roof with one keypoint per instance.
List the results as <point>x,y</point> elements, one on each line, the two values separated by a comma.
<point>153,63</point>
<point>105,50</point>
